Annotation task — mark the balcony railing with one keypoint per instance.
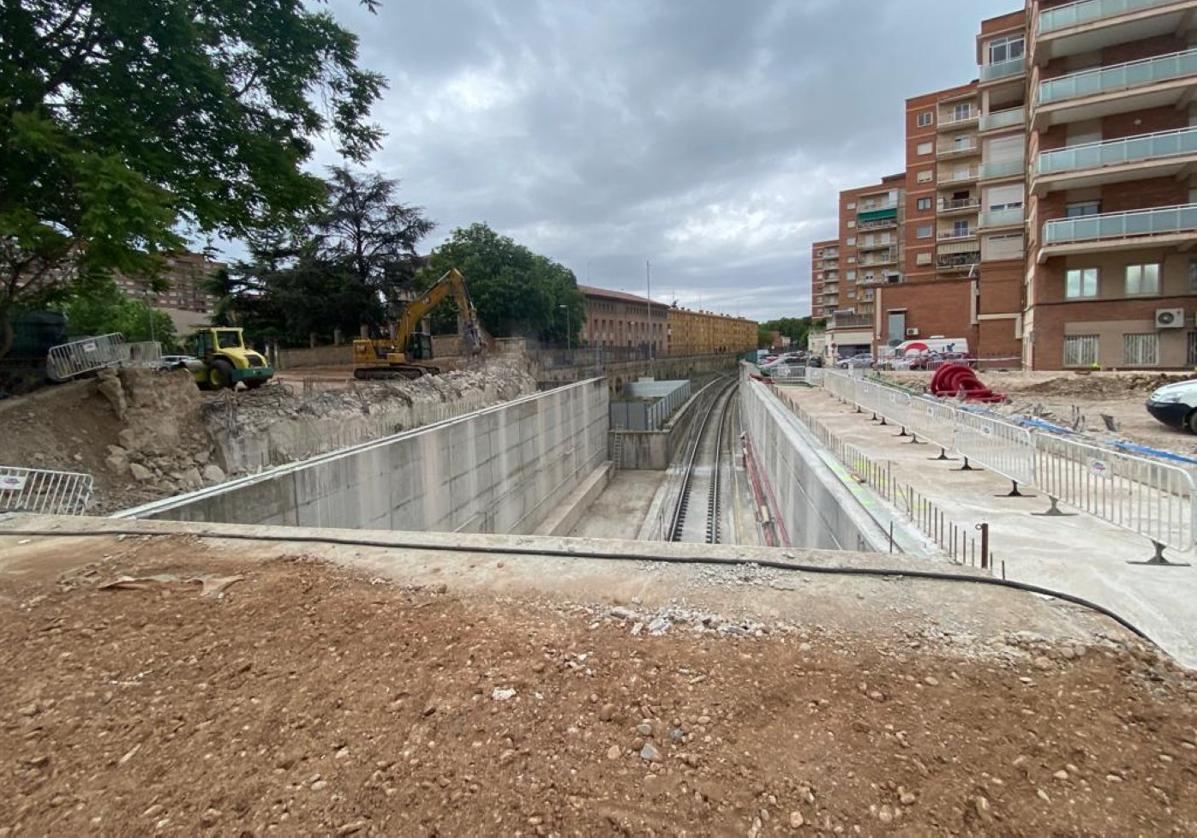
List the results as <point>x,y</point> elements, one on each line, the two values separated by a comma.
<point>954,149</point>
<point>1003,119</point>
<point>880,224</point>
<point>1001,168</point>
<point>953,204</point>
<point>1114,152</point>
<point>1119,225</point>
<point>850,321</point>
<point>877,207</point>
<point>887,257</point>
<point>1087,11</point>
<point>953,120</point>
<point>1002,217</point>
<point>956,235</point>
<point>959,176</point>
<point>1119,77</point>
<point>1004,69</point>
<point>957,261</point>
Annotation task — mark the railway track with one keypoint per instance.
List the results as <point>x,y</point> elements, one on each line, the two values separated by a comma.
<point>698,510</point>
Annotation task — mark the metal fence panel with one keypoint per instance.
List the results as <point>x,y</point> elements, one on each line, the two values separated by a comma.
<point>1149,497</point>
<point>81,356</point>
<point>894,405</point>
<point>999,446</point>
<point>141,352</point>
<point>934,421</point>
<point>42,491</point>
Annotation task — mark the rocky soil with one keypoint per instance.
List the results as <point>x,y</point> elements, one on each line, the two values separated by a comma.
<point>157,690</point>
<point>145,435</point>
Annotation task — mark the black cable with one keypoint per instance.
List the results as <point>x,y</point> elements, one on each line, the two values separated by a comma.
<point>883,573</point>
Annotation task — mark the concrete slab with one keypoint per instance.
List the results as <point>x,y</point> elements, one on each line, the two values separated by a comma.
<point>1080,555</point>
<point>621,509</point>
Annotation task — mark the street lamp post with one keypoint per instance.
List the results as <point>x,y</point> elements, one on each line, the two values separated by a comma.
<point>569,343</point>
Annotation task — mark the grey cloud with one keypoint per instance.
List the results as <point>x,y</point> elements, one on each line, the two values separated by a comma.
<point>707,136</point>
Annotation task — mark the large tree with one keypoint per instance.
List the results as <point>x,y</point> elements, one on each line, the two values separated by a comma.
<point>367,233</point>
<point>518,293</point>
<point>122,123</point>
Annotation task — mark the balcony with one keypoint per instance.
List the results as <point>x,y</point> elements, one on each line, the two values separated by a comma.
<point>957,258</point>
<point>963,174</point>
<point>957,149</point>
<point>994,169</point>
<point>956,235</point>
<point>1003,70</point>
<point>1120,230</point>
<point>1136,85</point>
<point>1090,25</point>
<point>886,257</point>
<point>953,121</point>
<point>850,321</point>
<point>879,224</point>
<point>1005,217</point>
<point>956,206</point>
<point>1011,118</point>
<point>1162,154</point>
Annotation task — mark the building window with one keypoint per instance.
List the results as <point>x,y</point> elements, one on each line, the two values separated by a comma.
<point>963,110</point>
<point>1080,350</point>
<point>925,118</point>
<point>923,203</point>
<point>925,176</point>
<point>1141,350</point>
<point>960,229</point>
<point>1082,208</point>
<point>851,276</point>
<point>851,224</point>
<point>851,240</point>
<point>851,205</point>
<point>923,259</point>
<point>923,148</point>
<point>1080,283</point>
<point>923,231</point>
<point>1006,49</point>
<point>1142,280</point>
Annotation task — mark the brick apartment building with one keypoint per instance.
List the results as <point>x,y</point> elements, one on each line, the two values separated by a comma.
<point>825,279</point>
<point>185,274</point>
<point>706,332</point>
<point>1050,205</point>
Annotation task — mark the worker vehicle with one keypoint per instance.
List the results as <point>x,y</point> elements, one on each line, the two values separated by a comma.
<point>221,359</point>
<point>406,354</point>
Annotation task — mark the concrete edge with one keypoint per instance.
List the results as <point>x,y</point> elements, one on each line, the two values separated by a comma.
<point>570,511</point>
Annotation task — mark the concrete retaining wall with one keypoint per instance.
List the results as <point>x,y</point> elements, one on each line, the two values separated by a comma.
<point>814,499</point>
<point>501,470</point>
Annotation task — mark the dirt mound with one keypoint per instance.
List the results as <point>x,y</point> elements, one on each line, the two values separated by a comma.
<point>297,697</point>
<point>1101,385</point>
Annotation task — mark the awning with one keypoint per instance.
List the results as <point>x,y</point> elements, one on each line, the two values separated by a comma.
<point>878,215</point>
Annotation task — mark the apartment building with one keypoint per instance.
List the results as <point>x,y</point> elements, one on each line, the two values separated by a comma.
<point>824,278</point>
<point>869,255</point>
<point>706,332</point>
<point>186,275</point>
<point>1112,195</point>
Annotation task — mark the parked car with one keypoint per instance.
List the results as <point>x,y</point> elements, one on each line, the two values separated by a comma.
<point>173,362</point>
<point>1175,405</point>
<point>862,360</point>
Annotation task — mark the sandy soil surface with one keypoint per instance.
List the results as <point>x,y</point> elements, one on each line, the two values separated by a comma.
<point>294,696</point>
<point>1078,401</point>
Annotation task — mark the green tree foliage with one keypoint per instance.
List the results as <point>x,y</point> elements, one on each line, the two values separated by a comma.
<point>104,309</point>
<point>121,123</point>
<point>795,328</point>
<point>518,293</point>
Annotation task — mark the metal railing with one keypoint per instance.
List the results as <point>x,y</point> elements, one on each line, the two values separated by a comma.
<point>1003,119</point>
<point>1001,217</point>
<point>950,149</point>
<point>1151,498</point>
<point>879,224</point>
<point>953,121</point>
<point>1001,168</point>
<point>959,176</point>
<point>953,204</point>
<point>1087,11</point>
<point>44,492</point>
<point>888,257</point>
<point>850,321</point>
<point>1118,77</point>
<point>1160,145</point>
<point>956,235</point>
<point>1117,225</point>
<point>79,357</point>
<point>1004,69</point>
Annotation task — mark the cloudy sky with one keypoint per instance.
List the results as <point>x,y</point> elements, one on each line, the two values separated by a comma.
<point>708,136</point>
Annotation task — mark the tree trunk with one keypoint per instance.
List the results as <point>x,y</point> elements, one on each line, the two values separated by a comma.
<point>6,331</point>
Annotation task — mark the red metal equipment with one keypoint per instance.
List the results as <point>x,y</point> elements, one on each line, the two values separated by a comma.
<point>952,380</point>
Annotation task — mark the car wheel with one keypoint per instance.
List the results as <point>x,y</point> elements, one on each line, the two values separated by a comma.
<point>1191,422</point>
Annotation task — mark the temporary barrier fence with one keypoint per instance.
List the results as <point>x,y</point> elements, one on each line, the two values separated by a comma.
<point>44,492</point>
<point>73,359</point>
<point>1151,498</point>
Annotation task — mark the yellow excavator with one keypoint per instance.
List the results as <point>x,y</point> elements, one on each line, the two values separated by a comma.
<point>405,354</point>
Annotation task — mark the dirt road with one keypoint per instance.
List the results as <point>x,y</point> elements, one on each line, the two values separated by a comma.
<point>303,697</point>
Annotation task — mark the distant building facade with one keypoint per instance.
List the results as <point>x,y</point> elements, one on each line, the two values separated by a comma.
<point>619,319</point>
<point>705,332</point>
<point>186,274</point>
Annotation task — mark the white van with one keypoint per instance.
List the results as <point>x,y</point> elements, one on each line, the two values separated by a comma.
<point>925,346</point>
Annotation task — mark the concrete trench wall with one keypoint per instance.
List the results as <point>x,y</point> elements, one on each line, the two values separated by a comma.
<point>817,504</point>
<point>500,470</point>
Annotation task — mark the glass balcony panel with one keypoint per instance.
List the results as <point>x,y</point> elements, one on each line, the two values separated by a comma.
<point>1117,225</point>
<point>1119,77</point>
<point>1087,11</point>
<point>1114,152</point>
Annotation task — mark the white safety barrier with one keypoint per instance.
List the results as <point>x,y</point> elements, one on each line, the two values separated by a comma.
<point>998,446</point>
<point>141,352</point>
<point>87,355</point>
<point>1152,498</point>
<point>1149,497</point>
<point>44,492</point>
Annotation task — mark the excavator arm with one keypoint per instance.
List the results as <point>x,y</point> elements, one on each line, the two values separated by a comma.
<point>451,283</point>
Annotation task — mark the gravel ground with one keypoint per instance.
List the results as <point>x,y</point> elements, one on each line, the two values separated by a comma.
<point>205,694</point>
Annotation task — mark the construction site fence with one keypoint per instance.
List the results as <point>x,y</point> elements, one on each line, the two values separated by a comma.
<point>1151,498</point>
<point>648,416</point>
<point>86,355</point>
<point>43,491</point>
